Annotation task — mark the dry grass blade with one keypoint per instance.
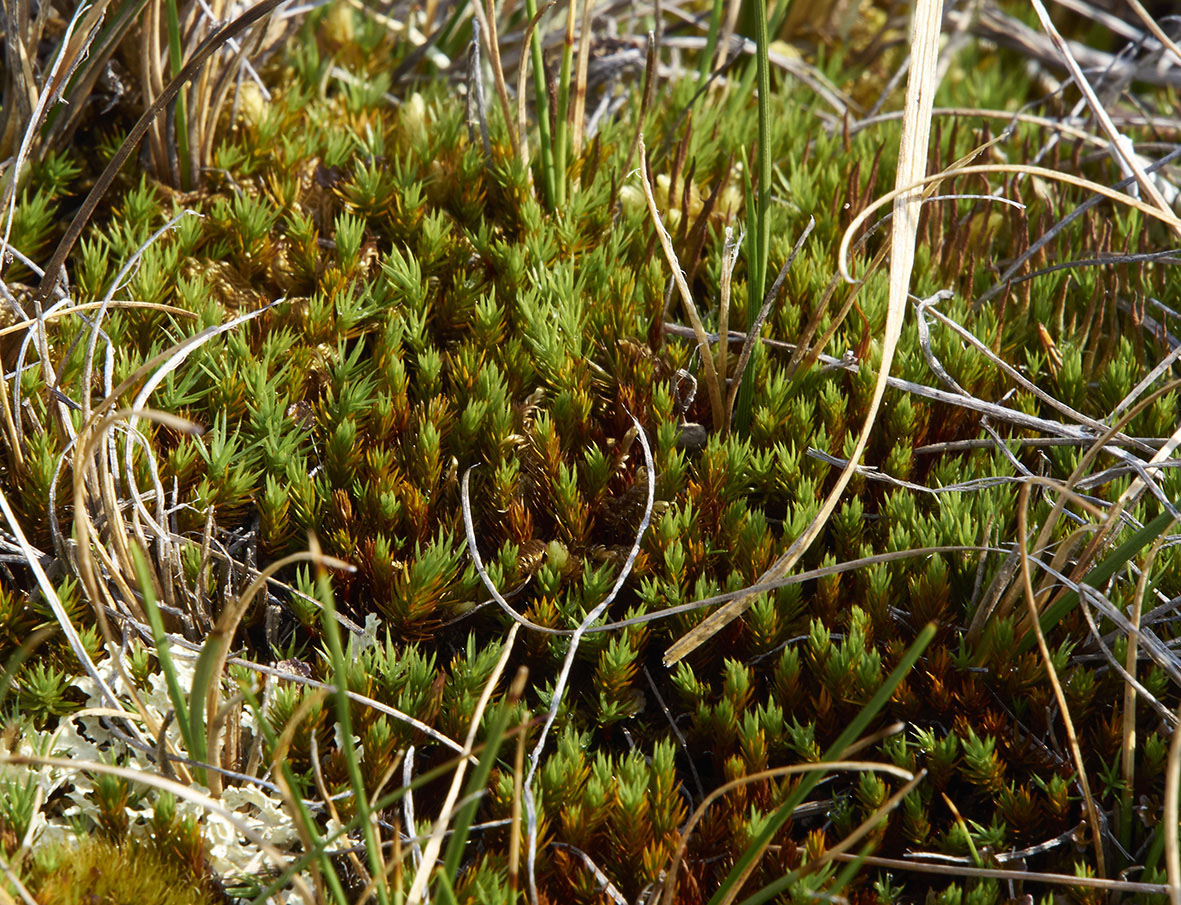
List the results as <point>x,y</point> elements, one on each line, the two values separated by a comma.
<point>68,58</point>
<point>667,893</point>
<point>712,383</point>
<point>522,72</point>
<point>867,825</point>
<point>46,586</point>
<point>752,336</point>
<point>65,311</point>
<point>1157,32</point>
<point>568,662</point>
<point>1018,876</point>
<point>1047,659</point>
<point>1170,818</point>
<point>290,797</point>
<point>578,114</point>
<point>1166,217</point>
<point>207,48</point>
<point>912,161</point>
<point>488,28</point>
<point>217,648</point>
<point>1121,145</point>
<point>435,843</point>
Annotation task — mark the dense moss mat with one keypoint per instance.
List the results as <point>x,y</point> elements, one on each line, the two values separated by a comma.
<point>435,317</point>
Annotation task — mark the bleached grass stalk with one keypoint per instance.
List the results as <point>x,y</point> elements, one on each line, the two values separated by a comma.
<point>356,698</point>
<point>408,806</point>
<point>798,578</point>
<point>447,812</point>
<point>1122,149</point>
<point>756,326</point>
<point>132,142</point>
<point>131,265</point>
<point>1116,513</point>
<point>712,382</point>
<point>912,161</point>
<point>91,436</point>
<point>1153,649</point>
<point>564,674</point>
<point>730,249</point>
<point>33,561</point>
<point>1167,217</point>
<point>55,83</point>
<point>928,305</point>
<point>1157,32</point>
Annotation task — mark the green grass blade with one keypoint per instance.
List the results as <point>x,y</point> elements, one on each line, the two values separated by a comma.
<point>22,653</point>
<point>202,676</point>
<point>344,718</point>
<point>1098,576</point>
<point>385,802</point>
<point>445,890</point>
<point>476,785</point>
<point>852,732</point>
<point>176,60</point>
<point>561,118</point>
<point>541,96</point>
<point>705,63</point>
<point>304,816</point>
<point>845,877</point>
<point>195,744</point>
<point>758,236</point>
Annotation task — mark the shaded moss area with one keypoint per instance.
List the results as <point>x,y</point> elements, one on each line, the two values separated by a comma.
<point>434,317</point>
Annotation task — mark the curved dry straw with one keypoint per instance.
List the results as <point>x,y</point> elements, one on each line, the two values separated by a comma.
<point>212,660</point>
<point>583,627</point>
<point>1169,219</point>
<point>207,47</point>
<point>1048,660</point>
<point>668,890</point>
